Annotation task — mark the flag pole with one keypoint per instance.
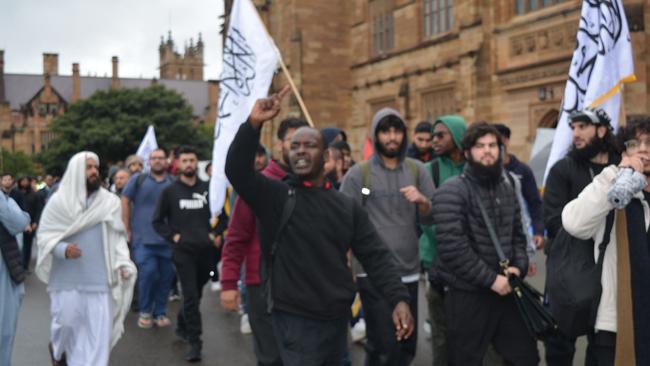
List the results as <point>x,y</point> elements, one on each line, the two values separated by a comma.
<point>285,70</point>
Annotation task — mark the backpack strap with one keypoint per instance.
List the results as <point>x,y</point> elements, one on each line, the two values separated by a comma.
<point>365,180</point>
<point>287,211</point>
<point>139,180</point>
<point>434,169</point>
<point>412,166</point>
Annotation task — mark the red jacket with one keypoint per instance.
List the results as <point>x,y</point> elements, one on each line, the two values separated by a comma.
<point>242,241</point>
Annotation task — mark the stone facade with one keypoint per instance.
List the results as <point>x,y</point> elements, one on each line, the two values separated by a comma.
<point>28,103</point>
<point>487,61</point>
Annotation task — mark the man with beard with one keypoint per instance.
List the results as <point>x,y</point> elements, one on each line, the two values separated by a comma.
<point>396,191</point>
<point>309,285</point>
<point>182,217</point>
<point>84,259</point>
<point>621,333</point>
<point>151,252</point>
<point>447,135</point>
<point>593,149</point>
<point>422,148</point>
<point>243,246</point>
<point>479,312</point>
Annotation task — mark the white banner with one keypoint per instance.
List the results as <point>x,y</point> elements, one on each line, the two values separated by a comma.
<point>147,145</point>
<point>602,62</point>
<point>250,59</point>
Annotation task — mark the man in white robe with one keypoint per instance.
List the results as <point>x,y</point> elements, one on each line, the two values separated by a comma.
<point>84,259</point>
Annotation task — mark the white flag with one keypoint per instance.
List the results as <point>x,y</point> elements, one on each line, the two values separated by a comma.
<point>250,59</point>
<point>147,145</point>
<point>602,62</point>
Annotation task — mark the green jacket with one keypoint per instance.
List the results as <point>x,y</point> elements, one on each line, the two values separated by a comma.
<point>444,168</point>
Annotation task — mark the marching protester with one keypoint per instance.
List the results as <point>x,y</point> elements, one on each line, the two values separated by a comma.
<point>309,284</point>
<point>396,192</point>
<point>182,217</point>
<point>84,259</point>
<point>422,148</point>
<point>151,252</point>
<point>447,136</point>
<point>12,273</point>
<point>621,330</point>
<point>593,148</point>
<point>243,247</point>
<point>479,311</point>
<point>134,164</point>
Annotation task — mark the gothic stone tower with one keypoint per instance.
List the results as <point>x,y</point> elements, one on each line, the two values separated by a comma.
<point>173,65</point>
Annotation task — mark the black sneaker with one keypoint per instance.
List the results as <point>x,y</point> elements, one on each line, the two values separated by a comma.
<point>194,353</point>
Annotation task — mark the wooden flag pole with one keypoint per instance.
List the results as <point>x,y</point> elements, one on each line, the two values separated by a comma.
<point>287,74</point>
<point>295,91</point>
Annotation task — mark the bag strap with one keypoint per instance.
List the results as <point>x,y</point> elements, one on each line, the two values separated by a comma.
<point>412,166</point>
<point>435,172</point>
<point>503,261</point>
<point>365,181</point>
<point>287,211</point>
<point>609,223</point>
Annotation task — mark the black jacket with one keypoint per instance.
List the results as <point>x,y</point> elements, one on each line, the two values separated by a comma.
<point>184,210</point>
<point>566,179</point>
<point>467,257</point>
<point>413,152</point>
<point>310,275</point>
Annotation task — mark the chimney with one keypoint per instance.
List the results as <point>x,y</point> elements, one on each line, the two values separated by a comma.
<point>76,83</point>
<point>115,82</point>
<point>2,76</point>
<point>51,64</point>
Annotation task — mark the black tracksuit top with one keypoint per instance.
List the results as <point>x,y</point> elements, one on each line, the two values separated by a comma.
<point>310,275</point>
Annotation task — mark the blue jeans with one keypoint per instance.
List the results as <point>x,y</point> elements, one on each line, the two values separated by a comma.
<point>155,274</point>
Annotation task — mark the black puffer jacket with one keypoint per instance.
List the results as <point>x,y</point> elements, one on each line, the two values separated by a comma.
<point>467,257</point>
<point>566,179</point>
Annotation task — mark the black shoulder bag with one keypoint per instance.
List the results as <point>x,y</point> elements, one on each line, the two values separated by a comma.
<point>529,301</point>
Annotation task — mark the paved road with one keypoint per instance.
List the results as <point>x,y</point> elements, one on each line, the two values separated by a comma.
<point>223,343</point>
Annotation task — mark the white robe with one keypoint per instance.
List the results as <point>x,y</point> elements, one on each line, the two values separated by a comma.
<point>66,214</point>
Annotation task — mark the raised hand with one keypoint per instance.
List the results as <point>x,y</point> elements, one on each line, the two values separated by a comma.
<point>267,108</point>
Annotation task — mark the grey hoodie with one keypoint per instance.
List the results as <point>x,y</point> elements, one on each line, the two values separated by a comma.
<point>394,217</point>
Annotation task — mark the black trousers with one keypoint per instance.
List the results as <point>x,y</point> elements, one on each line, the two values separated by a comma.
<point>382,348</point>
<point>560,350</point>
<point>264,344</point>
<point>601,350</point>
<point>193,268</point>
<point>476,319</point>
<point>309,342</point>
<point>28,238</point>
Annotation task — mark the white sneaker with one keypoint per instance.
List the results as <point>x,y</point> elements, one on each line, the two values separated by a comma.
<point>358,331</point>
<point>244,325</point>
<point>215,286</point>
<point>426,327</point>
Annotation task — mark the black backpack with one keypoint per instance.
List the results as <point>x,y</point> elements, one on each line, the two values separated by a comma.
<point>573,280</point>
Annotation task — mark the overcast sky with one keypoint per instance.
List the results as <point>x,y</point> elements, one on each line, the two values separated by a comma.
<point>90,32</point>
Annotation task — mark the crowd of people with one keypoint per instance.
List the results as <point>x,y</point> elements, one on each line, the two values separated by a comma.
<point>304,236</point>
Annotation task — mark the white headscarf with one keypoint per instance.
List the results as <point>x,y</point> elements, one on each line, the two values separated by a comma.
<point>67,213</point>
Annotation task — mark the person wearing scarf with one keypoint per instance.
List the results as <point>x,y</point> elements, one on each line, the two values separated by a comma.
<point>84,259</point>
<point>621,333</point>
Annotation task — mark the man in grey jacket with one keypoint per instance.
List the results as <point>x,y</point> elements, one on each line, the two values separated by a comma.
<point>396,191</point>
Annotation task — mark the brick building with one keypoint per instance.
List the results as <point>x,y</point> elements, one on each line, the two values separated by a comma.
<point>29,102</point>
<point>498,60</point>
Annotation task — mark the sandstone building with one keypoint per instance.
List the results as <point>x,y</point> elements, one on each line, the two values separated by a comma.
<point>496,60</point>
<point>28,103</point>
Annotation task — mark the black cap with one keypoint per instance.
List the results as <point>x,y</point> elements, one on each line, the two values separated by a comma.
<point>596,117</point>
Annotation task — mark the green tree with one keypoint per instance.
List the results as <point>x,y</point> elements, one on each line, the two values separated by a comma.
<point>17,163</point>
<point>112,124</point>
